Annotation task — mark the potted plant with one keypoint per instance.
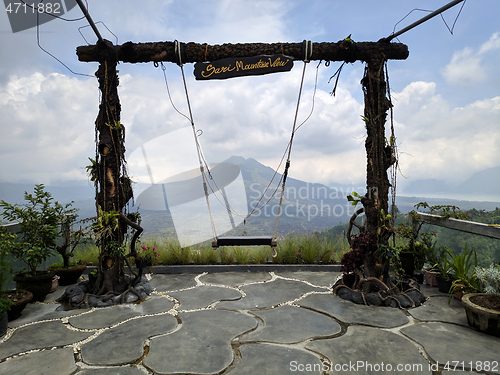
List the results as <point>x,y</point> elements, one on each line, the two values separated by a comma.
<point>444,277</point>
<point>483,309</point>
<point>18,298</point>
<point>462,267</point>
<point>38,228</point>
<point>68,272</point>
<point>435,256</point>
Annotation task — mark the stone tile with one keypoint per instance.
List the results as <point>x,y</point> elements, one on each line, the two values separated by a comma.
<point>40,336</point>
<point>272,360</point>
<point>259,296</point>
<point>234,279</point>
<point>290,324</point>
<point>436,309</point>
<point>360,347</point>
<point>325,279</point>
<point>124,344</point>
<point>203,296</point>
<point>48,362</point>
<point>104,317</point>
<point>35,312</point>
<point>153,305</point>
<point>351,313</point>
<point>122,370</point>
<point>431,291</point>
<point>448,342</point>
<point>168,282</point>
<point>202,345</point>
<point>51,297</point>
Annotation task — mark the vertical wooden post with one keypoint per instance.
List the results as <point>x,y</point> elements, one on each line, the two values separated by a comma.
<point>379,159</point>
<point>113,187</point>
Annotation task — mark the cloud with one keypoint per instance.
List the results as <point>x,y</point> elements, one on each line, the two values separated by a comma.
<point>437,141</point>
<point>470,67</point>
<point>491,45</point>
<point>47,127</point>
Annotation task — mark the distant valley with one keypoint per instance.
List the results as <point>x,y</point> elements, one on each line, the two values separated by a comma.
<point>306,207</point>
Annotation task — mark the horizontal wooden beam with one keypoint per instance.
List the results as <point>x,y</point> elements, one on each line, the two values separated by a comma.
<point>165,51</point>
<point>480,229</point>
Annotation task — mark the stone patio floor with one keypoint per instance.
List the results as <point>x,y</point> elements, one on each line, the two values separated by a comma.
<point>247,323</point>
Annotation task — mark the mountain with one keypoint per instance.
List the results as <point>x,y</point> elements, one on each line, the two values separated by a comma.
<point>482,185</point>
<point>306,207</point>
<point>486,182</point>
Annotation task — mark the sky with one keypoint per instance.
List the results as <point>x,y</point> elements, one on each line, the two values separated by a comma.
<point>446,94</point>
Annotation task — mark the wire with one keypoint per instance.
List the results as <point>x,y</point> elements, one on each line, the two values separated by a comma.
<point>430,11</point>
<point>48,53</point>
<point>83,27</point>
<point>164,69</point>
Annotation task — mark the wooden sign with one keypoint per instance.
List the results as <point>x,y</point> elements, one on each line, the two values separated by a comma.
<point>244,66</point>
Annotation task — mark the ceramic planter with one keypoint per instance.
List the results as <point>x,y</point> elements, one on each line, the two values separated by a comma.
<point>444,284</point>
<point>20,298</point>
<point>39,285</point>
<point>481,318</point>
<point>430,277</point>
<point>68,276</point>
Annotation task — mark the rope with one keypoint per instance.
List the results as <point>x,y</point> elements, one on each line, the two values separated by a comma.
<point>178,55</point>
<point>287,165</point>
<point>307,53</point>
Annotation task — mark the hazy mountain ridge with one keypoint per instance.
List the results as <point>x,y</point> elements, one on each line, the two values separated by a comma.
<point>306,206</point>
<point>482,183</point>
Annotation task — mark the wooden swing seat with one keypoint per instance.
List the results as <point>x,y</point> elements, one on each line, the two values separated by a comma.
<point>244,241</point>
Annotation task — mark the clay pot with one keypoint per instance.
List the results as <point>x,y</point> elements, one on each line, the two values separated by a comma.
<point>39,285</point>
<point>20,298</point>
<point>479,317</point>
<point>430,277</point>
<point>444,284</point>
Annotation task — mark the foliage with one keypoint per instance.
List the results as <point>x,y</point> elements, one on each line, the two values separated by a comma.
<point>104,225</point>
<point>462,271</point>
<point>38,225</point>
<point>92,170</point>
<point>241,255</point>
<point>226,256</point>
<point>462,265</point>
<point>148,255</point>
<point>261,255</point>
<point>115,248</point>
<point>67,216</point>
<point>5,305</point>
<point>87,253</point>
<point>5,267</point>
<point>489,278</point>
<point>355,198</point>
<point>361,245</point>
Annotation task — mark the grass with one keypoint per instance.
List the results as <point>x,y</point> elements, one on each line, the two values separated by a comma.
<point>292,249</point>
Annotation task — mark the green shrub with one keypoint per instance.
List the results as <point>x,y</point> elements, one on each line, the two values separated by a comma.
<point>226,256</point>
<point>241,254</point>
<point>261,254</point>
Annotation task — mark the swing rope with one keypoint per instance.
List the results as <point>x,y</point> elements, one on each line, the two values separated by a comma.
<point>306,55</point>
<point>307,52</point>
<point>179,53</point>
